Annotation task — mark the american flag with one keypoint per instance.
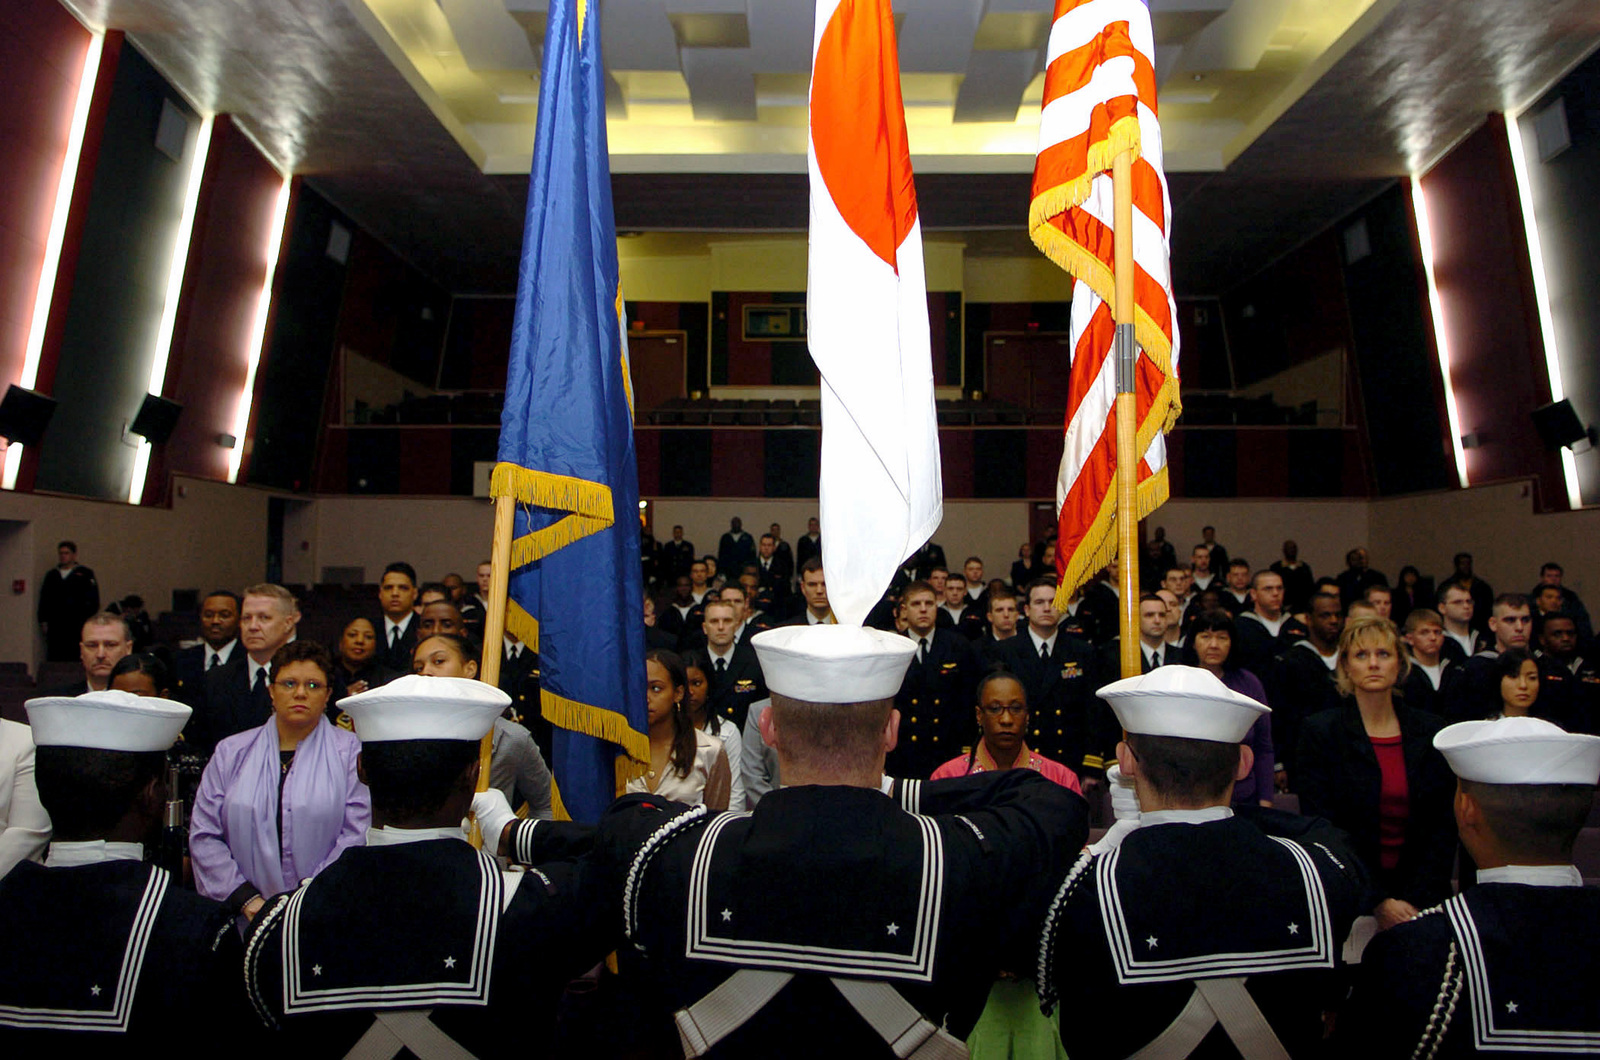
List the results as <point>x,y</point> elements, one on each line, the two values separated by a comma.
<point>1100,99</point>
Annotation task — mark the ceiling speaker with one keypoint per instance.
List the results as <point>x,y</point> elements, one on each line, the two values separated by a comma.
<point>24,415</point>
<point>156,419</point>
<point>1558,425</point>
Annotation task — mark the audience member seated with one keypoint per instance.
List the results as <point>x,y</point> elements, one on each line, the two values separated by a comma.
<point>1381,599</point>
<point>1357,575</point>
<point>814,592</point>
<point>697,670</point>
<point>357,667</point>
<point>219,639</point>
<point>1369,767</point>
<point>277,804</point>
<point>1461,640</point>
<point>106,639</point>
<point>1551,575</point>
<point>236,698</point>
<point>1002,713</point>
<point>1214,635</point>
<point>516,768</point>
<point>1023,568</point>
<point>687,764</point>
<point>1236,586</point>
<point>1002,623</point>
<point>24,826</point>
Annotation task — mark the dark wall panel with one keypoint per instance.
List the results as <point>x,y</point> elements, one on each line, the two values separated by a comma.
<point>118,288</point>
<point>391,313</point>
<point>999,463</point>
<point>685,464</point>
<point>217,307</point>
<point>1569,229</point>
<point>1481,267</point>
<point>1395,361</point>
<point>1287,314</point>
<point>793,460</point>
<point>42,50</point>
<point>291,383</point>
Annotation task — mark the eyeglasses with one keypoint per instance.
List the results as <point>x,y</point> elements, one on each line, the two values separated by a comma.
<point>291,686</point>
<point>994,710</point>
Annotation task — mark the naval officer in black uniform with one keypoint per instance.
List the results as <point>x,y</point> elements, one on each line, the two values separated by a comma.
<point>1510,965</point>
<point>1196,930</point>
<point>833,919</point>
<point>417,940</point>
<point>103,953</point>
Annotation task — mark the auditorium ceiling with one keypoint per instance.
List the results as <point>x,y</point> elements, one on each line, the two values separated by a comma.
<point>416,116</point>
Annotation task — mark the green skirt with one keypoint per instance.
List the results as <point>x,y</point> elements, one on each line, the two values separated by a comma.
<point>1013,1028</point>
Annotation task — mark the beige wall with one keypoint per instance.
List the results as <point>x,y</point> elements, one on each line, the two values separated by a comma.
<point>213,535</point>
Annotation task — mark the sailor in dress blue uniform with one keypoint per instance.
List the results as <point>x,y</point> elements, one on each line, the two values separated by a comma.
<point>1509,966</point>
<point>833,919</point>
<point>1197,930</point>
<point>417,941</point>
<point>102,952</point>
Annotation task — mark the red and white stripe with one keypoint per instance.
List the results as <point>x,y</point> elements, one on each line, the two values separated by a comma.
<point>867,311</point>
<point>1099,99</point>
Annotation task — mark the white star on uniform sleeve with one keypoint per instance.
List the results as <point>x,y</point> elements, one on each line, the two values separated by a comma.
<point>1294,929</point>
<point>727,915</point>
<point>449,962</point>
<point>94,991</point>
<point>1511,1007</point>
<point>894,929</point>
<point>1151,942</point>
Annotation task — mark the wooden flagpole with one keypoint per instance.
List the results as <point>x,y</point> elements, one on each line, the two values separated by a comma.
<point>1126,353</point>
<point>494,626</point>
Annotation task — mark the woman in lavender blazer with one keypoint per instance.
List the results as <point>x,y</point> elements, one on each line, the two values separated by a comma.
<point>279,803</point>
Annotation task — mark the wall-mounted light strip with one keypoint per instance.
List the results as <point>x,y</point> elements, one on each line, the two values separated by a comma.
<point>57,235</point>
<point>258,330</point>
<point>1425,237</point>
<point>1541,296</point>
<point>169,308</point>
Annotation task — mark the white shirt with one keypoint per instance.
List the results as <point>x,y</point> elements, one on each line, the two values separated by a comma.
<point>1202,582</point>
<point>954,613</point>
<point>974,591</point>
<point>683,610</point>
<point>390,626</point>
<point>1243,598</point>
<point>65,855</point>
<point>1274,625</point>
<point>1534,875</point>
<point>700,597</point>
<point>728,658</point>
<point>1168,655</point>
<point>813,620</point>
<point>514,649</point>
<point>391,836</point>
<point>252,668</point>
<point>1435,672</point>
<point>1040,644</point>
<point>1463,639</point>
<point>217,656</point>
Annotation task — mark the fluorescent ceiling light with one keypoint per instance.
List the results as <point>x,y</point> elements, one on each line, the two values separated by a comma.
<point>258,330</point>
<point>1441,340</point>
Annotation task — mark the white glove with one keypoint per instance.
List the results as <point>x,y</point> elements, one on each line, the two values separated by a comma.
<point>1124,795</point>
<point>493,813</point>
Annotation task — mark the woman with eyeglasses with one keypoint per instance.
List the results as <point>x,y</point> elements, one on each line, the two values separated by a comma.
<point>277,804</point>
<point>1002,712</point>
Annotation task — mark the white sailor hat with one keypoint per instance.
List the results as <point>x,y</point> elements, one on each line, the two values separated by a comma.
<point>833,663</point>
<point>1182,701</point>
<point>415,707</point>
<point>106,721</point>
<point>1519,751</point>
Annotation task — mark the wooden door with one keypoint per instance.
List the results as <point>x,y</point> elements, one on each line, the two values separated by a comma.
<point>656,367</point>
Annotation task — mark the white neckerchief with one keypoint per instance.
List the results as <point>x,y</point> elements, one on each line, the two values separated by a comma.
<point>1039,642</point>
<point>1534,875</point>
<point>65,855</point>
<point>223,653</point>
<point>393,837</point>
<point>1204,815</point>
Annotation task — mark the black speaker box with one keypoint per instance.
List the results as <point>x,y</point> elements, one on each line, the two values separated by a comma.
<point>156,419</point>
<point>24,415</point>
<point>1558,424</point>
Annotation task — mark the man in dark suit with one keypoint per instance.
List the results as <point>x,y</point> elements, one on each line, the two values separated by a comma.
<point>1153,651</point>
<point>519,679</point>
<point>236,696</point>
<point>68,595</point>
<point>1061,674</point>
<point>735,549</point>
<point>775,570</point>
<point>1300,683</point>
<point>936,698</point>
<point>397,599</point>
<point>736,680</point>
<point>1482,595</point>
<point>810,544</point>
<point>677,555</point>
<point>814,593</point>
<point>1356,576</point>
<point>219,640</point>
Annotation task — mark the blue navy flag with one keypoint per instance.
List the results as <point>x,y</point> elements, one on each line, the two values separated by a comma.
<point>566,439</point>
